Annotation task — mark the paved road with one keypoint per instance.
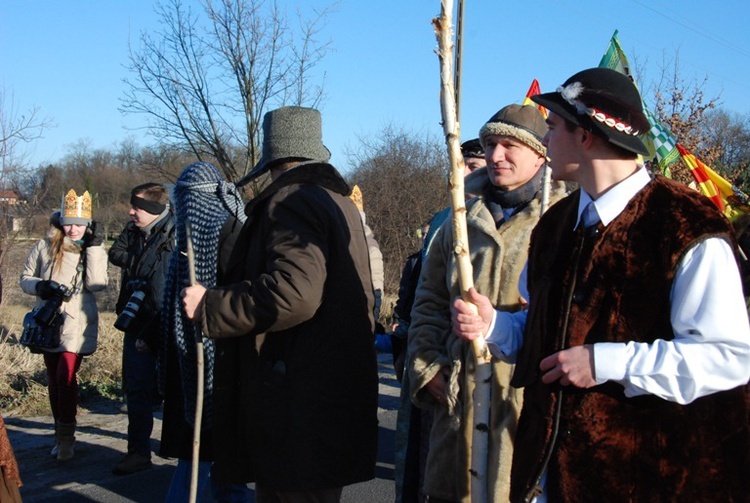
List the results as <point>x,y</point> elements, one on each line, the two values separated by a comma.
<point>101,440</point>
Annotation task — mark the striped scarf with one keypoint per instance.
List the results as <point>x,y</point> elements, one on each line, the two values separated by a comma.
<point>201,197</point>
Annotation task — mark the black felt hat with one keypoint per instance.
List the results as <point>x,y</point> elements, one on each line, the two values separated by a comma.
<point>604,101</point>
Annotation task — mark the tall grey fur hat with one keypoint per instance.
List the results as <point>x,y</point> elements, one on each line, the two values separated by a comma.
<point>523,122</point>
<point>290,133</point>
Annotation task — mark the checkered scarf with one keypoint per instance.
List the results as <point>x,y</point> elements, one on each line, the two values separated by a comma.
<point>201,197</point>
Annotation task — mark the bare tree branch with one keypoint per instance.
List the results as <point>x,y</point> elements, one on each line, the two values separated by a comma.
<point>17,131</point>
<point>206,89</point>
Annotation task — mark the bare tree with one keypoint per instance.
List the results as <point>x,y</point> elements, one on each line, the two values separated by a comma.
<point>681,105</point>
<point>206,88</point>
<point>728,135</point>
<point>17,131</point>
<point>403,179</point>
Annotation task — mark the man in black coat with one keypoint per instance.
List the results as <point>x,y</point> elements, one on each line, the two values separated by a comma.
<point>298,414</point>
<point>142,251</point>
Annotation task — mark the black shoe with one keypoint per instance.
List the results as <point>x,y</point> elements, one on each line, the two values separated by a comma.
<point>131,463</point>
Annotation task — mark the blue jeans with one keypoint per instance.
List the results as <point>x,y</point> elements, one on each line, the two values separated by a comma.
<point>139,380</point>
<point>179,489</point>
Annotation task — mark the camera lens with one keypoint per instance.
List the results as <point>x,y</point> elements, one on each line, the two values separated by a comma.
<point>128,314</point>
<point>46,314</point>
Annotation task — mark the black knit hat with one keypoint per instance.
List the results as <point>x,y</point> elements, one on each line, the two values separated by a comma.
<point>472,148</point>
<point>289,133</point>
<point>603,101</point>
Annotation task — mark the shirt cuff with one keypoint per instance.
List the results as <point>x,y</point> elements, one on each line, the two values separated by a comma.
<point>610,361</point>
<point>490,338</point>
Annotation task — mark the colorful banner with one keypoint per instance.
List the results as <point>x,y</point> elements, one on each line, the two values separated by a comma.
<point>705,185</point>
<point>659,141</point>
<point>534,90</point>
<point>728,198</point>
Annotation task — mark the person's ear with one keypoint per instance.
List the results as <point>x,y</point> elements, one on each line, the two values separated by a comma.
<point>587,138</point>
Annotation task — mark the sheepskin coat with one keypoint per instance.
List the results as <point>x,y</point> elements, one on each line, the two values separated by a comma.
<point>498,256</point>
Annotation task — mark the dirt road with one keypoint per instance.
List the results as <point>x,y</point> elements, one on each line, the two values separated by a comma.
<point>101,442</point>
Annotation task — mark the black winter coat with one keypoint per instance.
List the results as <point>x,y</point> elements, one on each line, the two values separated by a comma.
<point>300,414</point>
<point>146,260</point>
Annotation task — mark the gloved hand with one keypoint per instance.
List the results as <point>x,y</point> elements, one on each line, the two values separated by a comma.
<point>94,235</point>
<point>46,288</point>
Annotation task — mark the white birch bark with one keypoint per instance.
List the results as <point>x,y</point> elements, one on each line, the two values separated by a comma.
<point>483,372</point>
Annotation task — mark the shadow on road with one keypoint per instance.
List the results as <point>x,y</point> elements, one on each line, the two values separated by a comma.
<point>101,440</point>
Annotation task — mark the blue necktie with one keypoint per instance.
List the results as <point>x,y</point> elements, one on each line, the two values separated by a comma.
<point>589,216</point>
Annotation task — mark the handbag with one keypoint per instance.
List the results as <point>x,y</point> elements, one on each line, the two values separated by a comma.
<point>39,338</point>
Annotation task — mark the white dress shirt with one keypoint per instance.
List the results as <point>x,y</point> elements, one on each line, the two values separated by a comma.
<point>710,350</point>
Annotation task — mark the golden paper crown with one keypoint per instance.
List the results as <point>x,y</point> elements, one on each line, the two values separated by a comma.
<point>356,196</point>
<point>76,209</point>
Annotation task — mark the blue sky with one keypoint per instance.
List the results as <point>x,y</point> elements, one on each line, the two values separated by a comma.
<point>67,57</point>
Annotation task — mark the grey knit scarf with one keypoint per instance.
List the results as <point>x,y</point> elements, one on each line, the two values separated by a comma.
<point>498,199</point>
<point>201,197</point>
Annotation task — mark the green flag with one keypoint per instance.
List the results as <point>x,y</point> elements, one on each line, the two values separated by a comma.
<point>659,140</point>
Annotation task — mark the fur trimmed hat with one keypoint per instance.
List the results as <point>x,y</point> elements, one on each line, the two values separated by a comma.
<point>522,122</point>
<point>289,133</point>
<point>603,101</point>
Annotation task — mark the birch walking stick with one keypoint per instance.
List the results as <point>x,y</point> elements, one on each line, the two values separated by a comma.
<point>483,372</point>
<point>546,188</point>
<point>200,376</point>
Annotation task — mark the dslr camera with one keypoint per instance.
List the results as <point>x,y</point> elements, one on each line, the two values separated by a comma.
<point>46,314</point>
<point>130,311</point>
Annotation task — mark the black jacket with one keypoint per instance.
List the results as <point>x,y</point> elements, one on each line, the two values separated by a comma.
<point>147,260</point>
<point>302,413</point>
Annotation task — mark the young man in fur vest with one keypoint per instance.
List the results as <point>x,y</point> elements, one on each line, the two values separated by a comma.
<point>499,218</point>
<point>636,351</point>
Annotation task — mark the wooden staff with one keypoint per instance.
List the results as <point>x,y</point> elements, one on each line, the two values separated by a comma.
<point>546,188</point>
<point>200,364</point>
<point>483,371</point>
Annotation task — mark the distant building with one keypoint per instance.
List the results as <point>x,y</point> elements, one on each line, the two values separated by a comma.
<point>8,197</point>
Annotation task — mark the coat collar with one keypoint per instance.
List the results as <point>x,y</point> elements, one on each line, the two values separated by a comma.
<point>312,172</point>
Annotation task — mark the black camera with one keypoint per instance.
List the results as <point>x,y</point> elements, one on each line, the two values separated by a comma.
<point>46,314</point>
<point>130,311</point>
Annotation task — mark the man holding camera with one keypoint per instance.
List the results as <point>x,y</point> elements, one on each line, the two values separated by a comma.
<point>142,251</point>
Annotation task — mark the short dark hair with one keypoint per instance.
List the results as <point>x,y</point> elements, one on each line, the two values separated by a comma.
<point>154,192</point>
<point>620,152</point>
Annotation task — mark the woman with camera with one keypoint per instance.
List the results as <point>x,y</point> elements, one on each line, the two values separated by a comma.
<point>63,270</point>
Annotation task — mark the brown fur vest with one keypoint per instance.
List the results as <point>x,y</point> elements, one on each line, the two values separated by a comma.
<point>607,447</point>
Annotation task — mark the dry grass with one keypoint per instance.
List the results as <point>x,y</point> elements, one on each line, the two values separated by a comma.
<point>23,378</point>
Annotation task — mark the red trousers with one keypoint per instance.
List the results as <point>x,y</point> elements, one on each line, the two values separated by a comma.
<point>63,385</point>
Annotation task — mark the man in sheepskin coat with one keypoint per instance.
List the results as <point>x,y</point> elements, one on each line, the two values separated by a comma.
<point>441,368</point>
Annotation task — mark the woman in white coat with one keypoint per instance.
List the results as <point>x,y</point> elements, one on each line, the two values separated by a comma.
<point>68,265</point>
